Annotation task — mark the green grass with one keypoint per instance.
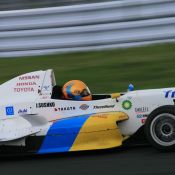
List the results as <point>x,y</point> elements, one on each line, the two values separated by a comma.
<point>103,71</point>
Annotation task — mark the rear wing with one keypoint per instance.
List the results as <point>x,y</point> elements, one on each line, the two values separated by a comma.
<point>33,84</point>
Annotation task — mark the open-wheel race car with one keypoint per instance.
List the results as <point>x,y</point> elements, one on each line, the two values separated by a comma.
<point>34,118</point>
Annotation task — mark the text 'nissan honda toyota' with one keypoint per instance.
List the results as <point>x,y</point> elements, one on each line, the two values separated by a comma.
<point>35,118</point>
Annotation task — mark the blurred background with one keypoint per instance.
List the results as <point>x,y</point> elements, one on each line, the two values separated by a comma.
<point>28,4</point>
<point>107,44</point>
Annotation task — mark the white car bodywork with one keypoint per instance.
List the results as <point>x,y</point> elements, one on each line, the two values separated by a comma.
<point>24,111</point>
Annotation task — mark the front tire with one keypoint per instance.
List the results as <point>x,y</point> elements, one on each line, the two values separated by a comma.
<point>160,128</point>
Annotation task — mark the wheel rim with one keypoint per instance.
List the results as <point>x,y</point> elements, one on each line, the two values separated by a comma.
<point>162,129</point>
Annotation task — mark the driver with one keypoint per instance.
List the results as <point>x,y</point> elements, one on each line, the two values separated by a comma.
<point>76,90</point>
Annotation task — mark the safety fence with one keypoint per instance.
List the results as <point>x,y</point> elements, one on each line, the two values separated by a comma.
<point>86,27</point>
<point>31,4</point>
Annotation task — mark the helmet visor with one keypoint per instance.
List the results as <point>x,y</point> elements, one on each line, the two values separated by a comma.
<point>85,92</point>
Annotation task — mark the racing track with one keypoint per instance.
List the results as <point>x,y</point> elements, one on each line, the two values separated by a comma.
<point>132,161</point>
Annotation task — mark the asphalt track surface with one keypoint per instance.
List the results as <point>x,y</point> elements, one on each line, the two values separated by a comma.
<point>126,161</point>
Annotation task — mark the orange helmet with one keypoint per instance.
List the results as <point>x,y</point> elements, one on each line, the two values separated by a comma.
<point>76,90</point>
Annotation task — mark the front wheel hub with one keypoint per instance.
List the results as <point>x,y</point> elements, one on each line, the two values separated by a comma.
<point>167,129</point>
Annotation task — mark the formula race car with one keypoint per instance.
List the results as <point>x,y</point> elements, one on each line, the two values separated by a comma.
<point>35,119</point>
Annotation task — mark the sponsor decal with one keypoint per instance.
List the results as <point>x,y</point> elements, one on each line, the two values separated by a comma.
<point>84,107</point>
<point>46,88</point>
<point>45,105</point>
<point>169,94</point>
<point>67,108</point>
<point>77,92</point>
<point>9,110</point>
<point>141,110</point>
<point>44,97</point>
<point>104,116</point>
<point>142,115</point>
<point>29,77</point>
<point>22,111</point>
<point>126,104</point>
<point>28,89</point>
<point>143,120</point>
<point>104,106</point>
<point>26,84</point>
<point>129,97</point>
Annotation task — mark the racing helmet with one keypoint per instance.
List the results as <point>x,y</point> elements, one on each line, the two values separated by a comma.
<point>76,90</point>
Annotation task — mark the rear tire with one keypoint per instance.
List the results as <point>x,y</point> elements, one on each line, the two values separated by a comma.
<point>160,128</point>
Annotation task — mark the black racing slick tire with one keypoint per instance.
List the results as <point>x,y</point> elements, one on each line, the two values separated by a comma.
<point>160,128</point>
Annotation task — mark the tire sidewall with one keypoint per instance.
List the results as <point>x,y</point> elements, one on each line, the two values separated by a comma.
<point>160,110</point>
